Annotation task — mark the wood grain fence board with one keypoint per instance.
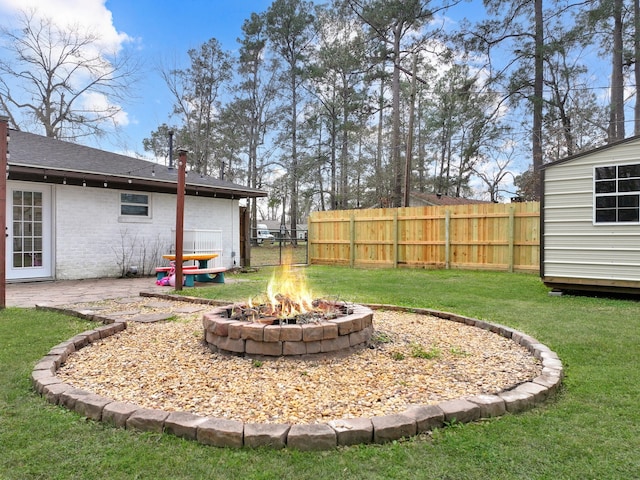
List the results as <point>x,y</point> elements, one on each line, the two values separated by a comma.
<point>494,236</point>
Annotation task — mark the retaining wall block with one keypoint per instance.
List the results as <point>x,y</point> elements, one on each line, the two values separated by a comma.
<point>427,417</point>
<point>41,379</point>
<point>538,348</point>
<point>335,344</point>
<point>117,413</point>
<point>549,355</point>
<point>221,326</point>
<point>345,325</point>
<point>92,335</point>
<point>221,432</point>
<point>272,435</point>
<point>80,341</point>
<point>312,333</point>
<point>313,347</point>
<point>353,431</point>
<point>68,397</point>
<point>319,436</point>
<point>52,392</point>
<point>147,420</point>
<point>490,405</point>
<point>393,427</point>
<point>230,344</point>
<point>50,363</point>
<point>62,352</point>
<point>183,424</point>
<point>294,348</point>
<point>553,371</point>
<point>329,331</point>
<point>526,341</point>
<point>358,338</point>
<point>460,410</point>
<point>106,330</point>
<point>253,331</point>
<point>517,401</point>
<point>91,405</point>
<point>271,333</point>
<point>551,382</point>
<point>234,330</point>
<point>551,363</point>
<point>208,320</point>
<point>538,392</point>
<point>263,348</point>
<point>291,333</point>
<point>367,321</point>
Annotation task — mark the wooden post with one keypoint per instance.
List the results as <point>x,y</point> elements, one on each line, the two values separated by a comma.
<point>511,232</point>
<point>182,165</point>
<point>4,151</point>
<point>447,238</point>
<point>352,240</point>
<point>395,238</point>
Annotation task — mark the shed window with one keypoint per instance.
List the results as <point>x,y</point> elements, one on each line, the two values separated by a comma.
<point>134,205</point>
<point>617,194</point>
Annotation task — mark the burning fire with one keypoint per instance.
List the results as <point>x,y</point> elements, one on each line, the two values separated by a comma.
<point>287,294</point>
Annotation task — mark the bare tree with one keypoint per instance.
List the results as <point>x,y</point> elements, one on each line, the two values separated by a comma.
<point>61,79</point>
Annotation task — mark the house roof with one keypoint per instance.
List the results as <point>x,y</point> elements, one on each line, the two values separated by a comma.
<point>42,159</point>
<point>608,146</point>
<point>435,199</point>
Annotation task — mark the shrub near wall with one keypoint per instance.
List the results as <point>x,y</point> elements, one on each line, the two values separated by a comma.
<point>475,236</point>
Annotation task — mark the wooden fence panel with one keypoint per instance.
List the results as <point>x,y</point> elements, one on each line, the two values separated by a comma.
<point>474,236</point>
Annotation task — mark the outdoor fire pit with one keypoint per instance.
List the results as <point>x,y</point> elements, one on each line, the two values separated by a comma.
<point>287,321</point>
<point>350,327</point>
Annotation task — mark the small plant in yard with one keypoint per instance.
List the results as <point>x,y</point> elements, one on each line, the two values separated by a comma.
<point>418,351</point>
<point>256,363</point>
<point>381,337</point>
<point>397,355</point>
<point>458,352</point>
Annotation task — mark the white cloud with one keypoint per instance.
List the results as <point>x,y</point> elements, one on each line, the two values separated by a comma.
<point>97,102</point>
<point>87,14</point>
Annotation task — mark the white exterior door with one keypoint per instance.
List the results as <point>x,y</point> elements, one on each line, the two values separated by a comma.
<point>29,232</point>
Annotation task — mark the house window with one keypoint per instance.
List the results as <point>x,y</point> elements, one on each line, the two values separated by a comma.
<point>135,205</point>
<point>617,194</point>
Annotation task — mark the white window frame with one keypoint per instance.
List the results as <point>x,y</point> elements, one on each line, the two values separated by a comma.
<point>132,218</point>
<point>616,194</point>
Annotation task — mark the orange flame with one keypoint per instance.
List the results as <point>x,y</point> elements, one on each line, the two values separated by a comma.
<point>287,292</point>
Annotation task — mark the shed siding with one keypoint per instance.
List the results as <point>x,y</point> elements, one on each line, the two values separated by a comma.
<point>90,237</point>
<point>573,246</point>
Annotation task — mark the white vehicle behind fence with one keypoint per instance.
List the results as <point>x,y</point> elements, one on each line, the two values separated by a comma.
<point>263,234</point>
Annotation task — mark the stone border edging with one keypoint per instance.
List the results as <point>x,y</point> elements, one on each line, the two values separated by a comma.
<point>349,431</point>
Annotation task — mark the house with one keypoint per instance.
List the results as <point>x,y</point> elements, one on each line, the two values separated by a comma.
<point>419,199</point>
<point>590,220</point>
<point>78,212</point>
<point>275,227</point>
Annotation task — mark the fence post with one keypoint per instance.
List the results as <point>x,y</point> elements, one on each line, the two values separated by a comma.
<point>511,232</point>
<point>395,238</point>
<point>352,240</point>
<point>447,237</point>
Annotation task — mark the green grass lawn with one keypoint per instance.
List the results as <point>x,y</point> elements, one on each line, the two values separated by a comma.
<point>591,430</point>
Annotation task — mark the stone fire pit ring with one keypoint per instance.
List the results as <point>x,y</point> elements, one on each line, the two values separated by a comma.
<point>239,337</point>
<point>222,432</point>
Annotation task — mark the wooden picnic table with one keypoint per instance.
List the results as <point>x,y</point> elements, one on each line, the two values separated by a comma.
<point>201,258</point>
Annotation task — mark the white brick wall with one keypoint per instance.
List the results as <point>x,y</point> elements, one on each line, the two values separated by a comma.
<point>90,238</point>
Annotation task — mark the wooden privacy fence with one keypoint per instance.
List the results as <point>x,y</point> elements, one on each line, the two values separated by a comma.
<point>492,236</point>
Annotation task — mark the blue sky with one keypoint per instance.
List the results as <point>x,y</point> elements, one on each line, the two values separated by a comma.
<point>159,31</point>
<point>164,32</point>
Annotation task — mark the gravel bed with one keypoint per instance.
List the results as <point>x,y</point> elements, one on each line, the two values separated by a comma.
<point>414,359</point>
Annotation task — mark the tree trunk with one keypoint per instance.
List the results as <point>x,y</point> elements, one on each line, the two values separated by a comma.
<point>537,98</point>
<point>616,115</point>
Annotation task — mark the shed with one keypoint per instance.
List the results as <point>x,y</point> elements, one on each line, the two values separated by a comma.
<point>78,212</point>
<point>590,220</point>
